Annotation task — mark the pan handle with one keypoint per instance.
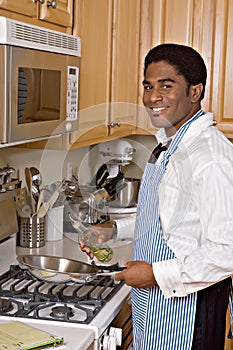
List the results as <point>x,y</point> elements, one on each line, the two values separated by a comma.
<point>114,267</point>
<point>109,273</point>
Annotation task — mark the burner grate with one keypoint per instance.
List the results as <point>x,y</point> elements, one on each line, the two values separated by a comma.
<point>32,298</point>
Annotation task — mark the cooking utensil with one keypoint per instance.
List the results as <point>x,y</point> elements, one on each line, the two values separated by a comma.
<point>22,207</point>
<point>35,193</point>
<point>27,211</point>
<point>28,178</point>
<point>40,199</point>
<point>61,270</point>
<point>47,205</point>
<point>20,197</point>
<point>100,177</point>
<point>36,177</point>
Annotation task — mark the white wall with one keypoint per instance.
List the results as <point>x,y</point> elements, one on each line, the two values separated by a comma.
<point>51,163</point>
<point>85,161</point>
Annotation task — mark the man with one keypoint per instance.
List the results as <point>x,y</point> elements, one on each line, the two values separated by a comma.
<point>183,246</point>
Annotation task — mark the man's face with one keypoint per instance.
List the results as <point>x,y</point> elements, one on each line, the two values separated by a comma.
<point>166,98</point>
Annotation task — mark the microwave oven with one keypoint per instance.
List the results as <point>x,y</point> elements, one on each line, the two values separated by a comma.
<point>39,78</point>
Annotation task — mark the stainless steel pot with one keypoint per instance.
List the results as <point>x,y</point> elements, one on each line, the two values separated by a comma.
<point>127,192</point>
<point>62,270</point>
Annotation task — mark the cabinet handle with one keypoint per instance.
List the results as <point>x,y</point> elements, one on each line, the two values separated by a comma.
<point>52,3</point>
<point>113,124</point>
<point>40,1</point>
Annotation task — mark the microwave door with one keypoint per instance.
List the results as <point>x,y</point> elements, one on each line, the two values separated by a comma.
<point>38,94</point>
<point>35,102</point>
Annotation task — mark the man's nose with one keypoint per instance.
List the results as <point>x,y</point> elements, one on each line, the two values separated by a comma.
<point>155,95</point>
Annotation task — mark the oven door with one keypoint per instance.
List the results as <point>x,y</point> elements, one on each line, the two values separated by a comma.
<point>120,332</point>
<point>38,85</point>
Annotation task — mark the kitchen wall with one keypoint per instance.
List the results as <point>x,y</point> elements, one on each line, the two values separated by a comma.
<point>52,163</point>
<point>85,161</point>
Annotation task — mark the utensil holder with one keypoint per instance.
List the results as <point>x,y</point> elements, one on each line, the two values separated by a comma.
<point>32,232</point>
<point>54,224</point>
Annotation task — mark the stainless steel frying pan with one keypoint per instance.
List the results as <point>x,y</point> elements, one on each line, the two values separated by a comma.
<point>61,270</point>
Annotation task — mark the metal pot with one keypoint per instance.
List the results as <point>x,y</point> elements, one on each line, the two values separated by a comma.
<point>62,270</point>
<point>127,192</point>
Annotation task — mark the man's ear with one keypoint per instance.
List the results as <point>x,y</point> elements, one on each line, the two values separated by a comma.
<point>195,91</point>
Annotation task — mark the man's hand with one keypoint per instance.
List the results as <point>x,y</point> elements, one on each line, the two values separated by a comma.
<point>139,274</point>
<point>99,233</point>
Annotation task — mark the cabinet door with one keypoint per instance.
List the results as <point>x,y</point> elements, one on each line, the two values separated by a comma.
<point>93,23</point>
<point>163,21</point>
<point>109,67</point>
<point>58,12</point>
<point>24,7</point>
<point>222,67</point>
<point>125,67</point>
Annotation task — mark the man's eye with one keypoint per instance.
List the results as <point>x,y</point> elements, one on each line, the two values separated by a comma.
<point>147,87</point>
<point>166,86</point>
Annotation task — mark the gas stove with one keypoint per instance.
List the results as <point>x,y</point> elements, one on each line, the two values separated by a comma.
<point>80,313</point>
<point>22,295</point>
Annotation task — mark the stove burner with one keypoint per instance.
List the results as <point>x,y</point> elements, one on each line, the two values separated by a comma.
<point>5,305</point>
<point>62,312</point>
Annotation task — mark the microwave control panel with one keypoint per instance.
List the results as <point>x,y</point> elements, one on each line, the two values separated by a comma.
<point>72,93</point>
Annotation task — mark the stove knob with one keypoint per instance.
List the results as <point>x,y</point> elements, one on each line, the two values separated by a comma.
<point>117,333</point>
<point>109,343</point>
<point>112,343</point>
<point>105,342</point>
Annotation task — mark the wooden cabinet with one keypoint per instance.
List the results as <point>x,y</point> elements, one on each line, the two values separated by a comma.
<point>162,21</point>
<point>23,7</point>
<point>222,84</point>
<point>116,35</point>
<point>204,25</point>
<point>54,14</point>
<point>58,12</point>
<point>109,30</point>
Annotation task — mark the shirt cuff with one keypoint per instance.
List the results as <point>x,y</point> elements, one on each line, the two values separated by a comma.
<point>125,227</point>
<point>167,276</point>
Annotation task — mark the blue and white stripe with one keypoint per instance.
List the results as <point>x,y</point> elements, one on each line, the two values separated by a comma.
<point>159,323</point>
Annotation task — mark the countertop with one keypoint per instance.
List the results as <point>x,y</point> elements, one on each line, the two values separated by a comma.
<point>68,247</point>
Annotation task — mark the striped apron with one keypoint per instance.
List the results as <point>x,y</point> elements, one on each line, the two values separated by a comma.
<point>159,323</point>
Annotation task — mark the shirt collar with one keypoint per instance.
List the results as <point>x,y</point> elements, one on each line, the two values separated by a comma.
<point>195,128</point>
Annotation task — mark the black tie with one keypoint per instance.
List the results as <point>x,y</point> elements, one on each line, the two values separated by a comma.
<point>156,152</point>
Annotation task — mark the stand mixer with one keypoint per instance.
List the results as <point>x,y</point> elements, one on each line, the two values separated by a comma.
<point>114,154</point>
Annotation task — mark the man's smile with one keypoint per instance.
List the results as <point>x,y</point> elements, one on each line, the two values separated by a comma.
<point>158,109</point>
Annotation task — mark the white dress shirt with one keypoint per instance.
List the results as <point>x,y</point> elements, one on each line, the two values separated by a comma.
<point>196,211</point>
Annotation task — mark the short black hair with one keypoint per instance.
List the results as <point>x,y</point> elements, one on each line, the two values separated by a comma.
<point>187,62</point>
